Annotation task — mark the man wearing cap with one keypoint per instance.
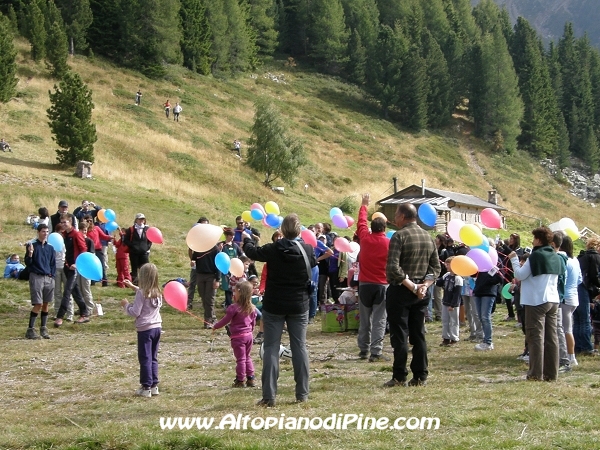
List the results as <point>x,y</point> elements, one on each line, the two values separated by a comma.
<point>139,246</point>
<point>63,208</point>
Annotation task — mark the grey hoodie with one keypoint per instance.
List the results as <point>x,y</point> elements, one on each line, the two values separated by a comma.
<point>146,311</point>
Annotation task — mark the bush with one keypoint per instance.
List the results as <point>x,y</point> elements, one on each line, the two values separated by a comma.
<point>347,205</point>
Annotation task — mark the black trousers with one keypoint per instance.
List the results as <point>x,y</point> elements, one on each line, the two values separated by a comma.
<point>137,261</point>
<point>71,288</point>
<point>406,318</point>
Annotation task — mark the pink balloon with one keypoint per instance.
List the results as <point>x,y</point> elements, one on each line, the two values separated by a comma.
<point>342,245</point>
<point>491,219</point>
<point>309,237</point>
<point>493,255</point>
<point>454,227</point>
<point>154,235</point>
<point>350,221</point>
<point>481,258</point>
<point>258,206</point>
<point>339,221</point>
<point>264,221</point>
<point>175,295</point>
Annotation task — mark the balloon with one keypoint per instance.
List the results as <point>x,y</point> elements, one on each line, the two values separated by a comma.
<point>471,235</point>
<point>280,221</point>
<point>309,237</point>
<point>272,219</point>
<point>335,212</point>
<point>491,219</point>
<point>203,237</point>
<point>110,215</point>
<point>463,265</point>
<point>154,235</point>
<point>257,214</point>
<point>342,245</point>
<point>354,247</point>
<point>340,221</point>
<point>111,226</point>
<point>236,267</point>
<point>350,221</point>
<point>493,255</point>
<point>272,208</point>
<point>56,240</point>
<point>481,258</point>
<point>378,214</point>
<point>247,216</point>
<point>505,291</point>
<point>454,227</point>
<point>175,294</point>
<point>223,262</point>
<point>427,214</point>
<point>389,234</point>
<point>565,223</point>
<point>485,245</point>
<point>264,222</point>
<point>572,232</point>
<point>89,266</point>
<point>101,217</point>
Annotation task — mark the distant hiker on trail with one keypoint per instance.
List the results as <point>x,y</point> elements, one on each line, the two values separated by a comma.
<point>4,146</point>
<point>167,108</point>
<point>138,97</point>
<point>176,111</point>
<point>237,147</point>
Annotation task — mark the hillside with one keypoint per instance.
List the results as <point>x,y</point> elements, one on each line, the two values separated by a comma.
<point>548,17</point>
<point>176,172</point>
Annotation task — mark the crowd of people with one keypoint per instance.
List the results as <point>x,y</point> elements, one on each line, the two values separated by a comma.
<point>401,283</point>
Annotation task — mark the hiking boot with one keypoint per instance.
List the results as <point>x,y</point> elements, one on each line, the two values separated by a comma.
<point>144,392</point>
<point>32,334</point>
<point>266,403</point>
<point>393,383</point>
<point>378,358</point>
<point>154,391</point>
<point>238,384</point>
<point>44,332</point>
<point>250,381</point>
<point>417,382</point>
<point>363,355</point>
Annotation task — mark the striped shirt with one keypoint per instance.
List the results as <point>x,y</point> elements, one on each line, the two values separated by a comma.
<point>413,255</point>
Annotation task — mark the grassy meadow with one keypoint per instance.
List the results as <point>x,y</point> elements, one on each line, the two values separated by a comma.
<point>75,391</point>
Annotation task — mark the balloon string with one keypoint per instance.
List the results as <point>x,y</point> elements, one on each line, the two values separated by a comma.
<point>199,318</point>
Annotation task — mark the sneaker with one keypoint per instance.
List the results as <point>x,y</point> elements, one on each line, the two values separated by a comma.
<point>417,382</point>
<point>484,347</point>
<point>266,403</point>
<point>251,381</point>
<point>574,362</point>
<point>208,326</point>
<point>393,383</point>
<point>69,319</point>
<point>154,391</point>
<point>378,358</point>
<point>445,343</point>
<point>363,355</point>
<point>44,332</point>
<point>143,392</point>
<point>509,318</point>
<point>83,319</point>
<point>525,358</point>
<point>32,334</point>
<point>238,384</point>
<point>58,323</point>
<point>311,321</point>
<point>564,368</point>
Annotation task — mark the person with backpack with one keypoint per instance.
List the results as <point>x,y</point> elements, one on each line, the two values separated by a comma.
<point>139,245</point>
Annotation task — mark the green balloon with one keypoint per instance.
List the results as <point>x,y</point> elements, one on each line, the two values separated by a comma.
<point>505,291</point>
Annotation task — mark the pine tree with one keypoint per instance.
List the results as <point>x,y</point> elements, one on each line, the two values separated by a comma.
<point>272,150</point>
<point>8,65</point>
<point>57,50</point>
<point>104,34</point>
<point>562,155</point>
<point>589,148</point>
<point>77,15</point>
<point>328,34</point>
<point>595,81</point>
<point>12,19</point>
<point>413,93</point>
<point>294,26</point>
<point>196,36</point>
<point>70,116</point>
<point>567,60</point>
<point>36,31</point>
<point>242,49</point>
<point>262,21</point>
<point>357,64</point>
<point>439,89</point>
<point>363,16</point>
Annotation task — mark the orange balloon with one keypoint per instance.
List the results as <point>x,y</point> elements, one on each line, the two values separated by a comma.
<point>464,266</point>
<point>101,216</point>
<point>378,214</point>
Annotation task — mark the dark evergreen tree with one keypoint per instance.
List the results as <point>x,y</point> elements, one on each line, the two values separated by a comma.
<point>357,64</point>
<point>390,11</point>
<point>57,50</point>
<point>436,20</point>
<point>463,11</point>
<point>219,43</point>
<point>589,148</point>
<point>12,19</point>
<point>242,51</point>
<point>262,22</point>
<point>77,15</point>
<point>8,65</point>
<point>562,148</point>
<point>363,16</point>
<point>36,31</point>
<point>70,116</point>
<point>196,36</point>
<point>439,85</point>
<point>583,101</point>
<point>294,26</point>
<point>506,25</point>
<point>567,60</point>
<point>104,34</point>
<point>328,34</point>
<point>595,81</point>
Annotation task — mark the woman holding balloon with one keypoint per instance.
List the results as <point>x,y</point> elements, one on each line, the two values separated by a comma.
<point>139,245</point>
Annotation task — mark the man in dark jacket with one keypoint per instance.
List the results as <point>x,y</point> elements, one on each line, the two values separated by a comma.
<point>63,208</point>
<point>207,280</point>
<point>139,245</point>
<point>285,302</point>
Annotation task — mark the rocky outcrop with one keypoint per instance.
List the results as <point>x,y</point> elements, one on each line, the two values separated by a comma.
<point>580,183</point>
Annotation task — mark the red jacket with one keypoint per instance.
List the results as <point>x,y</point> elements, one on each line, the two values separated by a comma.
<point>373,251</point>
<point>74,246</point>
<point>122,249</point>
<point>95,234</point>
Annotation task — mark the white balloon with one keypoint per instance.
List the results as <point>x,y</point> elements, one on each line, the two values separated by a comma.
<point>203,236</point>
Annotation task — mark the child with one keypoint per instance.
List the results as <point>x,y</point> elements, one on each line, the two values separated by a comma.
<point>241,316</point>
<point>122,260</point>
<point>146,310</point>
<point>83,283</point>
<point>256,294</point>
<point>13,266</point>
<point>452,285</point>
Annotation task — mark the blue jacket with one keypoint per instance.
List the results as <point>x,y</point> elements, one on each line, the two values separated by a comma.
<point>42,261</point>
<point>11,267</point>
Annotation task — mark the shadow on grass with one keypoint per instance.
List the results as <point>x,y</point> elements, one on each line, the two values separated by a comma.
<point>352,102</point>
<point>32,164</point>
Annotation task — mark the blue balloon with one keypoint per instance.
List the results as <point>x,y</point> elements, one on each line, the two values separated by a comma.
<point>110,215</point>
<point>89,266</point>
<point>427,214</point>
<point>485,245</point>
<point>111,226</point>
<point>389,234</point>
<point>280,221</point>
<point>223,262</point>
<point>257,214</point>
<point>335,211</point>
<point>272,220</point>
<point>56,240</point>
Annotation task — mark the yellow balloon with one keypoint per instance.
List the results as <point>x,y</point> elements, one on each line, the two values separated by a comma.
<point>237,267</point>
<point>272,208</point>
<point>463,265</point>
<point>378,214</point>
<point>247,216</point>
<point>573,233</point>
<point>203,237</point>
<point>471,235</point>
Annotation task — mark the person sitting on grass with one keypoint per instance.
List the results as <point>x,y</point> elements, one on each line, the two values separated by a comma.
<point>13,266</point>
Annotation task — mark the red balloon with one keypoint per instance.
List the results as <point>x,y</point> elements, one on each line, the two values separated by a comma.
<point>154,235</point>
<point>175,294</point>
<point>309,237</point>
<point>491,219</point>
<point>350,221</point>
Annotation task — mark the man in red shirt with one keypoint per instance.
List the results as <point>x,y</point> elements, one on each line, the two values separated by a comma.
<point>372,284</point>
